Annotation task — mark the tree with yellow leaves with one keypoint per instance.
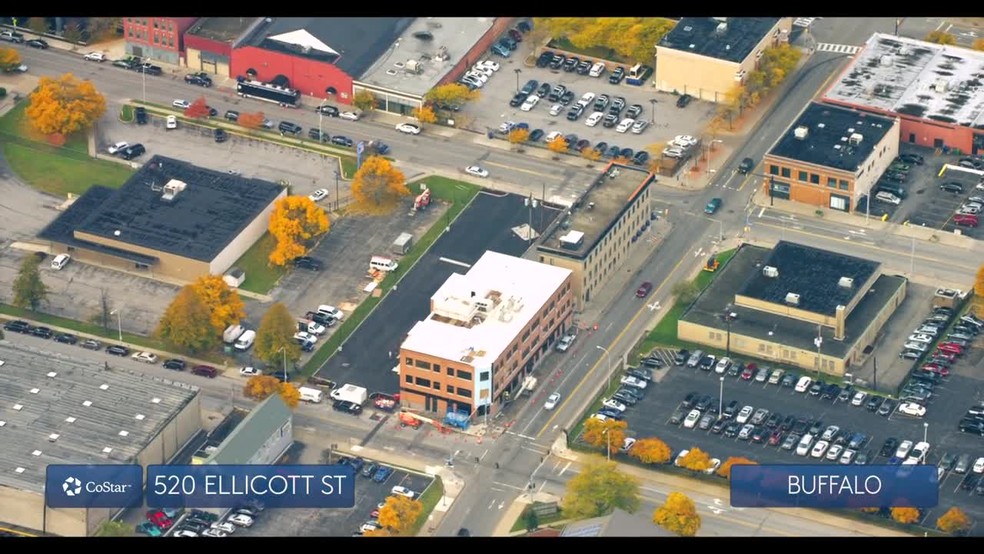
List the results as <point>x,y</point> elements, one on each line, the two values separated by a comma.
<point>275,342</point>
<point>678,515</point>
<point>222,301</point>
<point>954,521</point>
<point>378,187</point>
<point>558,145</point>
<point>651,451</point>
<point>725,469</point>
<point>425,114</point>
<point>632,38</point>
<point>64,105</point>
<point>696,460</point>
<point>591,154</point>
<point>451,93</point>
<point>251,120</point>
<point>978,44</point>
<point>518,136</point>
<point>606,435</point>
<point>9,59</point>
<point>364,100</point>
<point>399,514</point>
<point>187,323</point>
<point>598,489</point>
<point>261,386</point>
<point>905,515</point>
<point>941,37</point>
<point>295,220</point>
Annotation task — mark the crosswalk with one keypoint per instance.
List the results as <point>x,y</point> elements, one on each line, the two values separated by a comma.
<point>838,48</point>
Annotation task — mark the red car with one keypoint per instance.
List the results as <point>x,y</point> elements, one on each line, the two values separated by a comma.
<point>952,357</point>
<point>776,437</point>
<point>966,220</point>
<point>644,290</point>
<point>951,348</point>
<point>942,371</point>
<point>159,519</point>
<point>748,372</point>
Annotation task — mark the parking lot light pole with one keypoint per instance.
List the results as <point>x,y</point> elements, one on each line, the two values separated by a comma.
<point>609,357</point>
<point>727,345</point>
<point>652,114</point>
<point>337,200</point>
<point>119,321</point>
<point>925,435</point>
<point>818,341</point>
<point>721,398</point>
<point>518,71</point>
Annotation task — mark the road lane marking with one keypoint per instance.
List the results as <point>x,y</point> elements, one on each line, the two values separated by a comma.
<point>454,262</point>
<point>566,467</point>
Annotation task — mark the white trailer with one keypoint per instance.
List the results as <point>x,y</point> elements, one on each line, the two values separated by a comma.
<point>311,395</point>
<point>351,393</point>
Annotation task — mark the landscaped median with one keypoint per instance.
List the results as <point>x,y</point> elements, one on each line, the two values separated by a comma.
<point>429,499</point>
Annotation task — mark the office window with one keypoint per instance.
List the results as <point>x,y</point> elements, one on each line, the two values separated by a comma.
<point>773,170</point>
<point>483,376</point>
<point>785,172</point>
<point>409,361</point>
<point>408,378</point>
<point>802,176</point>
<point>464,392</point>
<point>450,370</point>
<point>437,386</point>
<point>450,389</point>
<point>422,364</point>
<point>814,178</point>
<point>466,375</point>
<point>843,185</point>
<point>423,382</point>
<point>831,182</point>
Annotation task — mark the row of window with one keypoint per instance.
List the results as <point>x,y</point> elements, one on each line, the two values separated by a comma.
<point>812,178</point>
<point>436,368</point>
<point>157,24</point>
<point>436,385</point>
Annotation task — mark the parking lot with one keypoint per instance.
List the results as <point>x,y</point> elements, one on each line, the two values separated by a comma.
<point>651,416</point>
<point>368,356</point>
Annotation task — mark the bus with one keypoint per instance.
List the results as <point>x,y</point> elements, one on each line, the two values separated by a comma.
<point>282,95</point>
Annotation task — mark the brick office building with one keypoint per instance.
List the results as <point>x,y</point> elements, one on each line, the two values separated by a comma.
<point>157,38</point>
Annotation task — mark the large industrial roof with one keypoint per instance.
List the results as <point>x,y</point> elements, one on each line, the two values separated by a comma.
<point>726,38</point>
<point>56,409</point>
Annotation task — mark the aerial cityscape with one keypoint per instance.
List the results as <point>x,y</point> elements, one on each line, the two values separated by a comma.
<point>491,277</point>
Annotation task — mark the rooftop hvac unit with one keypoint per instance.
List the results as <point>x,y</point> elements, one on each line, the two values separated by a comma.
<point>846,282</point>
<point>721,27</point>
<point>172,188</point>
<point>856,138</point>
<point>770,271</point>
<point>801,132</point>
<point>792,299</point>
<point>940,85</point>
<point>885,61</point>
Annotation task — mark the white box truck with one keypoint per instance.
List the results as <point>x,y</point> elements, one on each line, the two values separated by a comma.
<point>351,393</point>
<point>245,340</point>
<point>311,395</point>
<point>232,333</point>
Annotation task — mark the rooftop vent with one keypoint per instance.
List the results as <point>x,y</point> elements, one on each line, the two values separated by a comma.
<point>155,400</point>
<point>70,419</point>
<point>139,417</point>
<point>52,374</point>
<point>572,240</point>
<point>722,27</point>
<point>172,189</point>
<point>124,433</point>
<point>821,125</point>
<point>35,391</point>
<point>107,450</point>
<point>770,271</point>
<point>53,437</point>
<point>36,453</point>
<point>801,132</point>
<point>940,85</point>
<point>856,138</point>
<point>19,470</point>
<point>846,282</point>
<point>792,299</point>
<point>87,403</point>
<point>104,386</point>
<point>18,407</point>
<point>2,423</point>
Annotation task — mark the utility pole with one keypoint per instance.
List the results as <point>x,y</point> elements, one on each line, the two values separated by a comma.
<point>818,341</point>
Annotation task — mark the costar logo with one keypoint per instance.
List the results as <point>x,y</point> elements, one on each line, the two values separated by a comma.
<point>72,486</point>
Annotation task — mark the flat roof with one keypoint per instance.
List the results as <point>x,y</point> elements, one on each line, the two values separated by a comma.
<point>221,29</point>
<point>601,206</point>
<point>45,419</point>
<point>436,44</point>
<point>476,316</point>
<point>710,306</point>
<point>198,223</point>
<point>248,437</point>
<point>914,77</point>
<point>352,44</point>
<point>725,38</point>
<point>832,136</point>
<point>813,274</point>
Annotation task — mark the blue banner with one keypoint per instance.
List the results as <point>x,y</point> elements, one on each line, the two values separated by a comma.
<point>93,486</point>
<point>228,486</point>
<point>834,486</point>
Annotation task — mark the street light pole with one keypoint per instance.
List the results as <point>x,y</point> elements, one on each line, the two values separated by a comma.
<point>321,117</point>
<point>609,357</point>
<point>818,341</point>
<point>119,321</point>
<point>727,344</point>
<point>652,114</point>
<point>337,200</point>
<point>925,432</point>
<point>721,398</point>
<point>518,71</point>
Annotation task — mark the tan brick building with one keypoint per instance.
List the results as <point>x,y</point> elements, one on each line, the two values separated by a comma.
<point>831,157</point>
<point>596,235</point>
<point>486,332</point>
<point>706,57</point>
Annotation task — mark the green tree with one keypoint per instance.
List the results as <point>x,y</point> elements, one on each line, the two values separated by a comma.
<point>110,528</point>
<point>29,290</point>
<point>685,291</point>
<point>530,520</point>
<point>364,100</point>
<point>678,515</point>
<point>73,32</point>
<point>187,323</point>
<point>598,489</point>
<point>275,337</point>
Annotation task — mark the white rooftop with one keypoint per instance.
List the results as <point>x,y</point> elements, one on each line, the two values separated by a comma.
<point>305,40</point>
<point>913,77</point>
<point>477,315</point>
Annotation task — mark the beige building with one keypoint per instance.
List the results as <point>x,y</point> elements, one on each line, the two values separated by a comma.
<point>170,220</point>
<point>486,332</point>
<point>595,237</point>
<point>60,410</point>
<point>774,304</point>
<point>707,57</point>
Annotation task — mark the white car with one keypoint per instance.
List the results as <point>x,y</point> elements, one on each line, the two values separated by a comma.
<point>625,125</point>
<point>249,371</point>
<point>171,122</point>
<point>556,109</point>
<point>114,148</point>
<point>919,337</point>
<point>240,520</point>
<point>744,414</point>
<point>552,401</point>
<point>304,336</point>
<point>633,382</point>
<point>615,405</point>
<point>403,491</point>
<point>594,118</point>
<point>919,451</point>
<point>408,128</point>
<point>369,526</point>
<point>834,452</point>
<point>331,312</point>
<point>847,458</point>
<point>481,69</point>
<point>599,417</point>
<point>672,153</point>
<point>691,420</point>
<point>685,141</point>
<point>494,66</point>
<point>95,57</point>
<point>715,464</point>
<point>912,409</point>
<point>978,465</point>
<point>530,103</point>
<point>917,346</point>
<point>903,449</point>
<point>859,398</point>
<point>885,196</point>
<point>552,136</point>
<point>639,126</point>
<point>803,384</point>
<point>214,533</point>
<point>181,104</point>
<point>680,457</point>
<point>722,365</point>
<point>224,526</point>
<point>586,99</point>
<point>627,444</point>
<point>184,533</point>
<point>318,195</point>
<point>479,76</point>
<point>351,116</point>
<point>819,449</point>
<point>477,171</point>
<point>146,357</point>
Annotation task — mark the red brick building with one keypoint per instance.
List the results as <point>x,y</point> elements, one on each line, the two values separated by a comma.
<point>157,38</point>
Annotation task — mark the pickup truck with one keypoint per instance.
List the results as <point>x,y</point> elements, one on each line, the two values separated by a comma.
<point>11,36</point>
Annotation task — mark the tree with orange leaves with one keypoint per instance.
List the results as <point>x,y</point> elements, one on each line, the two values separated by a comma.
<point>651,451</point>
<point>608,434</point>
<point>9,59</point>
<point>558,145</point>
<point>198,109</point>
<point>295,220</point>
<point>425,114</point>
<point>262,386</point>
<point>378,187</point>
<point>725,469</point>
<point>64,105</point>
<point>223,302</point>
<point>251,121</point>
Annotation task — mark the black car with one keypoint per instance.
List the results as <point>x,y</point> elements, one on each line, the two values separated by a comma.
<point>609,121</point>
<point>640,158</point>
<point>584,67</point>
<point>118,350</point>
<point>66,338</point>
<point>42,332</point>
<point>746,165</point>
<point>342,141</point>
<point>731,430</point>
<point>681,357</point>
<point>175,364</point>
<point>704,403</point>
<point>626,399</point>
<point>370,470</point>
<point>543,90</point>
<point>199,79</point>
<point>601,148</point>
<point>18,326</point>
<point>37,43</point>
<point>684,101</point>
<point>581,145</point>
<point>558,61</point>
<point>319,135</point>
<point>232,115</point>
<point>601,103</point>
<point>626,153</point>
<point>730,409</point>
<point>517,100</point>
<point>347,407</point>
<point>530,87</point>
<point>691,399</point>
<point>307,262</point>
<point>888,448</point>
<point>912,159</point>
<point>132,151</point>
<point>575,112</point>
<point>535,135</point>
<point>544,59</point>
<point>571,64</point>
<point>567,97</point>
<point>653,361</point>
<point>330,111</point>
<point>571,140</point>
<point>618,104</point>
<point>149,69</point>
<point>140,113</point>
<point>617,75</point>
<point>830,392</point>
<point>220,135</point>
<point>613,151</point>
<point>639,394</point>
<point>634,111</point>
<point>873,403</point>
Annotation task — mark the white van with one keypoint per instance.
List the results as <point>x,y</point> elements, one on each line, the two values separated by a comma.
<point>382,263</point>
<point>803,448</point>
<point>60,261</point>
<point>311,395</point>
<point>803,384</point>
<point>245,340</point>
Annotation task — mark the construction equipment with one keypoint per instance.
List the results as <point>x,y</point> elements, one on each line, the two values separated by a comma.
<point>423,199</point>
<point>712,264</point>
<point>409,420</point>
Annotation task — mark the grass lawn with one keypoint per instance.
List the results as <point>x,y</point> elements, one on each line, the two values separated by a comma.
<point>110,334</point>
<point>429,499</point>
<point>460,194</point>
<point>544,521</point>
<point>260,275</point>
